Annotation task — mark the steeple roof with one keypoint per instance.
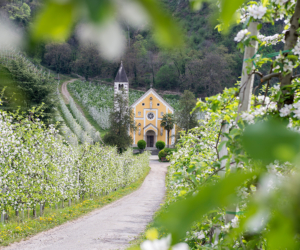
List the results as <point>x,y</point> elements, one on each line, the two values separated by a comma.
<point>121,75</point>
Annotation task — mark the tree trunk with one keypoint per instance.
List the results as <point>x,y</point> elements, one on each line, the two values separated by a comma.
<point>168,138</point>
<point>291,37</point>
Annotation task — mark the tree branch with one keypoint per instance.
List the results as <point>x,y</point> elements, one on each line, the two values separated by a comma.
<point>269,76</point>
<point>259,74</point>
<point>295,76</point>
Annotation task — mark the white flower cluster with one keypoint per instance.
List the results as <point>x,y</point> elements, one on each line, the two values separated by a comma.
<point>257,12</point>
<point>288,65</point>
<point>273,40</point>
<point>163,244</point>
<point>296,49</point>
<point>241,35</point>
<point>287,109</point>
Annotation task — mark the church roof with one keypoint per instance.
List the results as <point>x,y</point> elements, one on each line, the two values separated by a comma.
<point>155,94</point>
<point>121,75</point>
<point>149,125</point>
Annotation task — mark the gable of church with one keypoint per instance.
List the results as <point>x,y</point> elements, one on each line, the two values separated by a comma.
<point>149,110</point>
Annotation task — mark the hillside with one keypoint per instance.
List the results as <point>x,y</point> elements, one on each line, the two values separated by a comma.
<point>206,64</point>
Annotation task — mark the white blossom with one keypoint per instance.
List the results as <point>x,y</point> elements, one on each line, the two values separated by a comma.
<point>235,222</point>
<point>296,49</point>
<point>241,35</point>
<point>288,65</point>
<point>257,11</point>
<point>249,118</point>
<point>162,244</point>
<point>270,39</point>
<point>286,110</point>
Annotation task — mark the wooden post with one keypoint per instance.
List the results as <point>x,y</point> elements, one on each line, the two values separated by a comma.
<point>41,209</point>
<point>247,80</point>
<point>2,216</point>
<point>245,94</point>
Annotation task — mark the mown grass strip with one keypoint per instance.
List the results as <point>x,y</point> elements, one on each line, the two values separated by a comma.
<point>17,229</point>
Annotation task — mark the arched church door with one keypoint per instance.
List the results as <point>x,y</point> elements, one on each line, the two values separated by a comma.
<point>150,137</point>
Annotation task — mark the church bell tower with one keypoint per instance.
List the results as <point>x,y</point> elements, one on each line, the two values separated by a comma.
<point>121,85</point>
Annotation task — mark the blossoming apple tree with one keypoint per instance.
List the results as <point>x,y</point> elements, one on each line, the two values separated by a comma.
<point>262,143</point>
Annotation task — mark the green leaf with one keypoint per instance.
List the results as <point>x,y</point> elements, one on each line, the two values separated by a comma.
<point>259,26</point>
<point>228,9</point>
<point>99,10</point>
<point>166,32</point>
<point>220,146</point>
<point>54,22</point>
<point>271,140</point>
<point>182,214</point>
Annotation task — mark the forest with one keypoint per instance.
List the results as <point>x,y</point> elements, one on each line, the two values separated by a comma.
<point>207,63</point>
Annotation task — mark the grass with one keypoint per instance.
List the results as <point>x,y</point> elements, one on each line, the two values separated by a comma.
<point>18,228</point>
<point>88,116</point>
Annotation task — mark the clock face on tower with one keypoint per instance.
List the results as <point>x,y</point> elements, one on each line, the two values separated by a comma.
<point>150,116</point>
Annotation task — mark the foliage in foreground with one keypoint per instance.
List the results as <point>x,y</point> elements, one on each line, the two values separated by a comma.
<point>235,179</point>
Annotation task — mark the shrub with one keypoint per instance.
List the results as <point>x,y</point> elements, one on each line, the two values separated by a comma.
<point>141,144</point>
<point>165,154</point>
<point>161,154</point>
<point>160,145</point>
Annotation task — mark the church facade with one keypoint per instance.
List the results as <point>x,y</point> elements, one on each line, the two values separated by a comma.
<point>148,112</point>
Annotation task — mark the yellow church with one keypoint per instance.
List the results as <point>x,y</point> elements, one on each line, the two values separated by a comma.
<point>148,111</point>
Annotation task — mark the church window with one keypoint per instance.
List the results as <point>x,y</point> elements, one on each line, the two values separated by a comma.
<point>143,104</point>
<point>150,116</point>
<point>158,104</point>
<point>121,86</point>
<point>151,98</point>
<point>139,113</point>
<point>161,113</point>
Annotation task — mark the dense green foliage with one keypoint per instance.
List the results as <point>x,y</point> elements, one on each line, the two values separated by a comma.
<point>121,121</point>
<point>24,89</point>
<point>168,122</point>
<point>141,144</point>
<point>164,153</point>
<point>160,145</point>
<point>185,118</point>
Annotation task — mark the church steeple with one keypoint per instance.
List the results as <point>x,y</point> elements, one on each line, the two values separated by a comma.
<point>121,84</point>
<point>121,81</point>
<point>121,75</point>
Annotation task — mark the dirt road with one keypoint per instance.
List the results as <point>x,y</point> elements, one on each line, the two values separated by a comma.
<point>111,227</point>
<point>65,91</point>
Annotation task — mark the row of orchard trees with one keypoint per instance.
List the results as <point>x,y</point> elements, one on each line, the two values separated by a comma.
<point>38,166</point>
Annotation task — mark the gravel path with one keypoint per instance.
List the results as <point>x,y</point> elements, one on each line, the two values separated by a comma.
<point>111,227</point>
<point>66,94</point>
